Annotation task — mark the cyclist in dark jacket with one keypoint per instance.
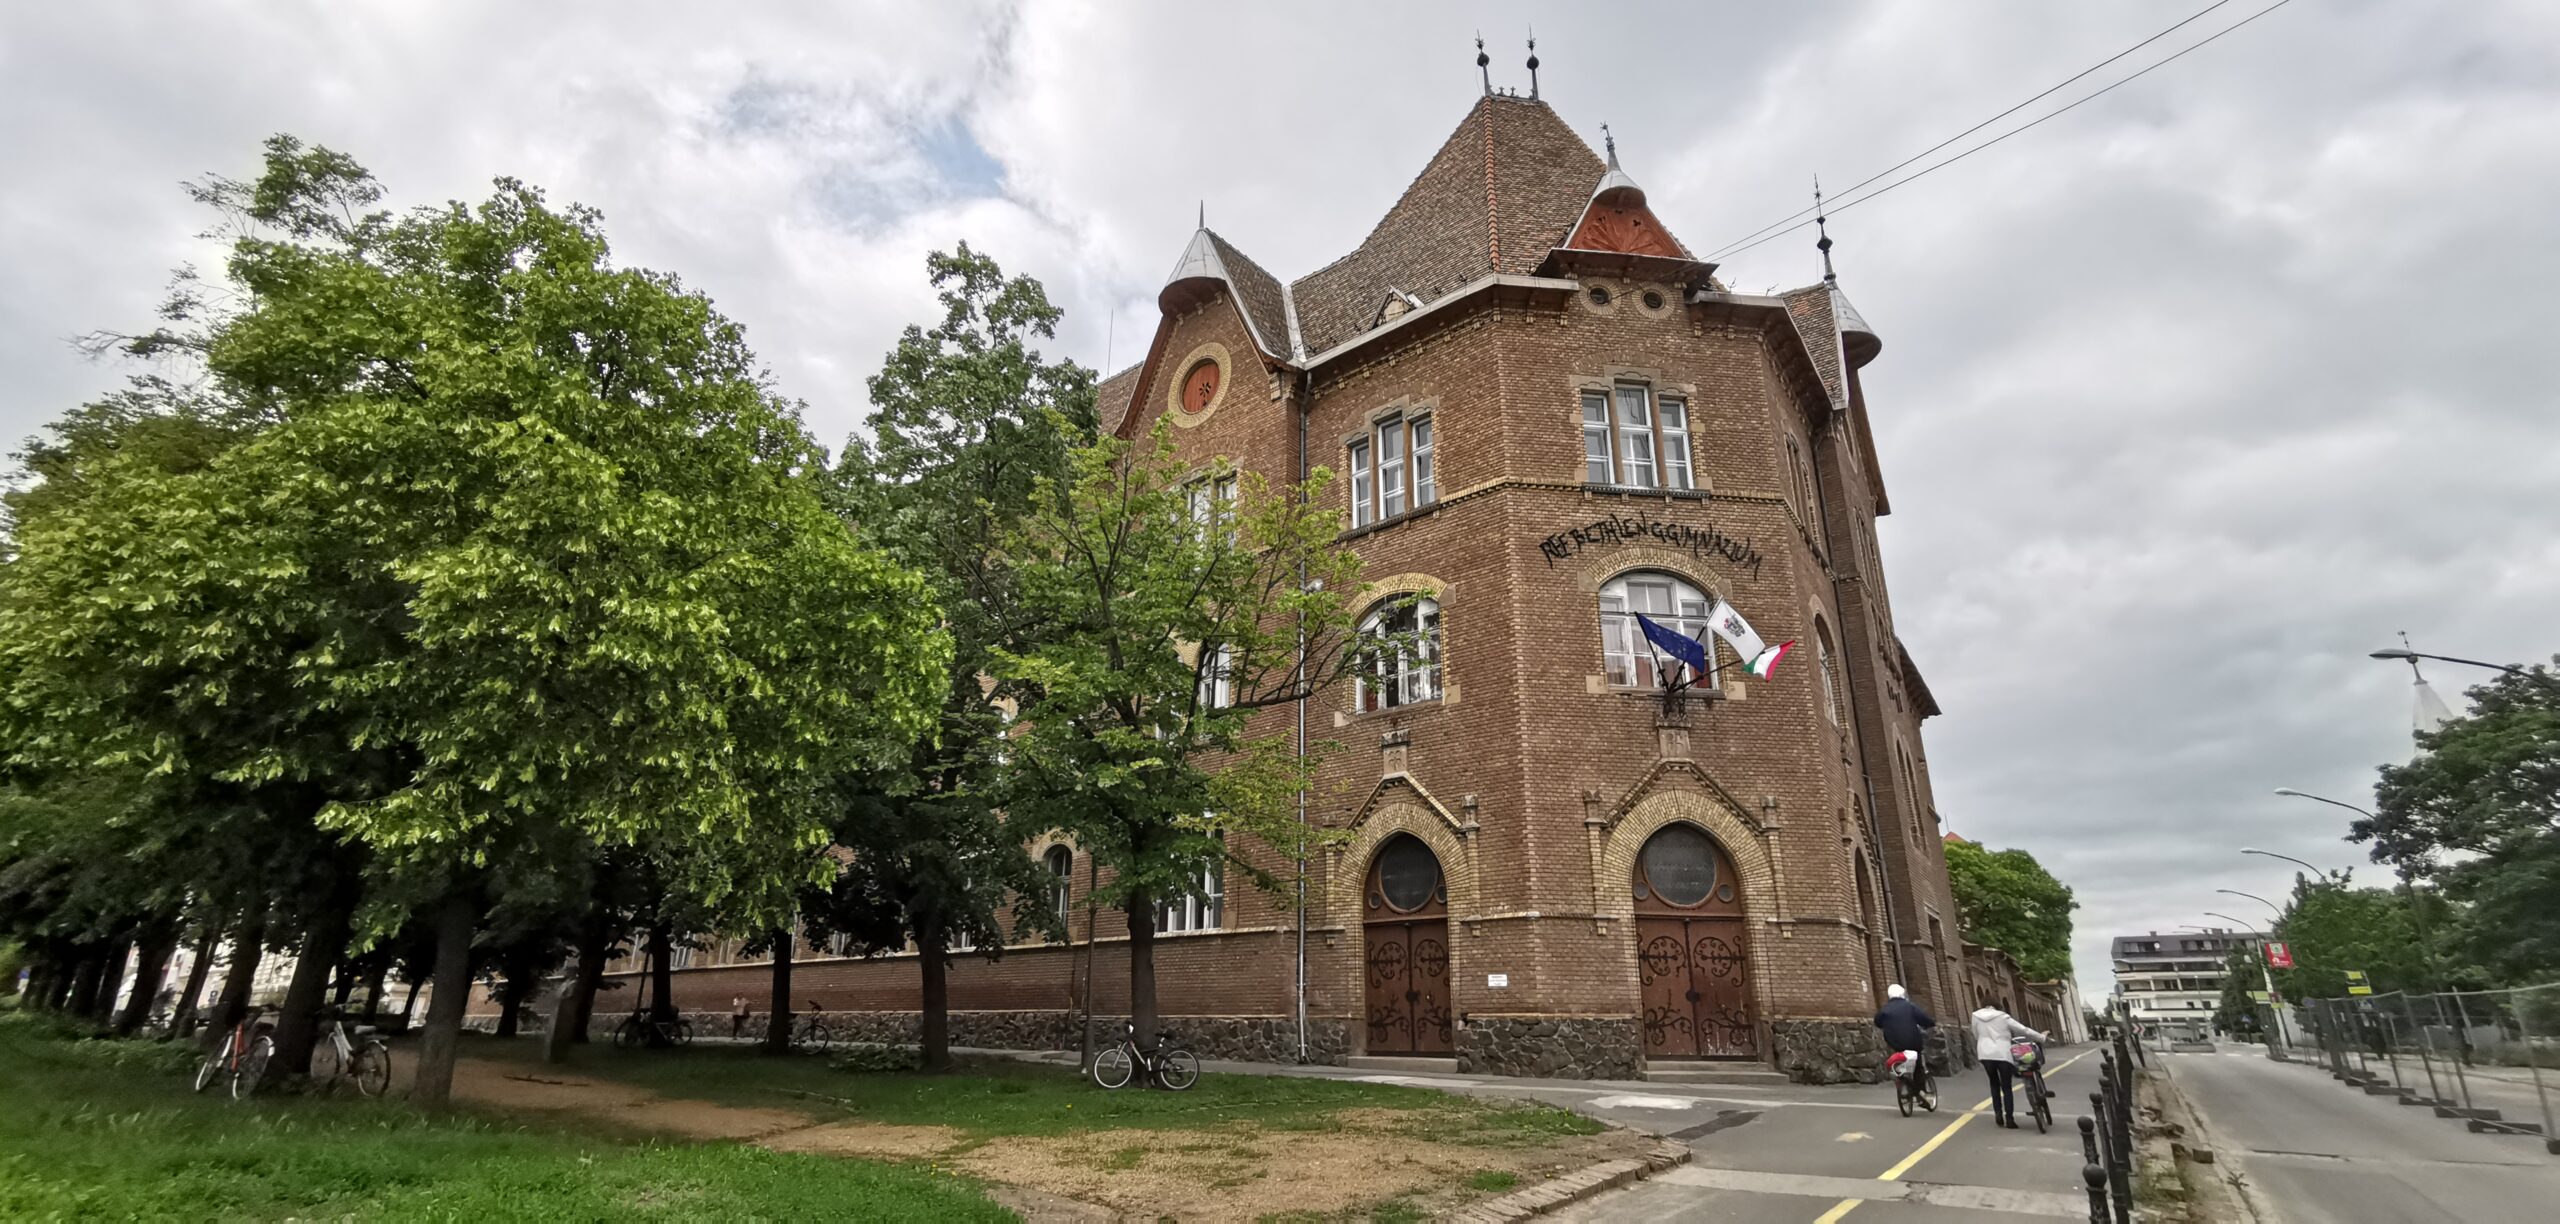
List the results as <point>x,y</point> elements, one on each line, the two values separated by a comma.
<point>1902,1021</point>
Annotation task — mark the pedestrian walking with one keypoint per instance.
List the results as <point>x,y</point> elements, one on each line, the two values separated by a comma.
<point>737,1016</point>
<point>1994,1031</point>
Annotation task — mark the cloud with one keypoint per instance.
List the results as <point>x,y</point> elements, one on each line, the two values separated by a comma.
<point>2189,398</point>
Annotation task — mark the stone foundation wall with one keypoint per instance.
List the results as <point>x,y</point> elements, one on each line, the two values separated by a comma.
<point>1550,1047</point>
<point>1272,1039</point>
<point>1828,1051</point>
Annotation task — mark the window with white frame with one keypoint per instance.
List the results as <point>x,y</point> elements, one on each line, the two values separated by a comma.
<point>1637,437</point>
<point>1404,658</point>
<point>1211,500</point>
<point>1393,468</point>
<point>1822,659</point>
<point>1062,868</point>
<point>1201,909</point>
<point>1217,678</point>
<point>1669,602</point>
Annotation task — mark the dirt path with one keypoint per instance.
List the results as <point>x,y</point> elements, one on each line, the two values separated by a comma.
<point>1234,1171</point>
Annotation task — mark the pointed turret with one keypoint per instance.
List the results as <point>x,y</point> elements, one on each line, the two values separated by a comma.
<point>1209,264</point>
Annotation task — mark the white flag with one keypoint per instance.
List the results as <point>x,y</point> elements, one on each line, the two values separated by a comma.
<point>1757,657</point>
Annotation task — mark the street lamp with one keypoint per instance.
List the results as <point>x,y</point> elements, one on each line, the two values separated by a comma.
<point>2291,793</point>
<point>2417,915</point>
<point>2322,876</point>
<point>2412,656</point>
<point>2254,897</point>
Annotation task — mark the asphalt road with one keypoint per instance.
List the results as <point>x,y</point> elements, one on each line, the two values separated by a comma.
<point>1824,1154</point>
<point>2318,1151</point>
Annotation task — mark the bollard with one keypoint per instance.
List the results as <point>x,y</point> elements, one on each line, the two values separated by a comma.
<point>2096,1179</point>
<point>2089,1141</point>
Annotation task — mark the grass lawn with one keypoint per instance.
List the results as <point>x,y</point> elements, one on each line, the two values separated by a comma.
<point>999,1098</point>
<point>94,1129</point>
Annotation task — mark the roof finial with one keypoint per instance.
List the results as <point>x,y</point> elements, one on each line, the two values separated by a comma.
<point>1611,143</point>
<point>1204,214</point>
<point>1823,243</point>
<point>1533,63</point>
<point>1484,64</point>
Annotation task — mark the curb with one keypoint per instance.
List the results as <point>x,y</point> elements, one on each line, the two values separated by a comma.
<point>1574,1187</point>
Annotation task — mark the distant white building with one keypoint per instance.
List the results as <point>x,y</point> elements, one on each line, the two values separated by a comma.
<point>2174,980</point>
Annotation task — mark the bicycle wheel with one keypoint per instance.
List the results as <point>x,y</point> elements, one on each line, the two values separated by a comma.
<point>373,1068</point>
<point>2043,1106</point>
<point>1179,1070</point>
<point>1902,1095</point>
<point>1929,1095</point>
<point>211,1068</point>
<point>681,1032</point>
<point>819,1038</point>
<point>326,1065</point>
<point>1113,1067</point>
<point>252,1068</point>
<point>631,1032</point>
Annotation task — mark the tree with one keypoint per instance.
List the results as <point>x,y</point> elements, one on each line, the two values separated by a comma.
<point>2236,1013</point>
<point>2478,814</point>
<point>2007,900</point>
<point>1180,617</point>
<point>968,421</point>
<point>529,557</point>
<point>2331,928</point>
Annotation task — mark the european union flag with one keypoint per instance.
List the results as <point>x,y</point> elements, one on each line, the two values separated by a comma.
<point>1678,645</point>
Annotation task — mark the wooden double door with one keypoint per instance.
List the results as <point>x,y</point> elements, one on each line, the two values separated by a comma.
<point>1693,950</point>
<point>1405,929</point>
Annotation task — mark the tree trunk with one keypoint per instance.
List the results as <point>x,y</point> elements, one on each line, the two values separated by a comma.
<point>933,1036</point>
<point>409,1006</point>
<point>510,1009</point>
<point>182,1018</point>
<point>298,1022</point>
<point>84,983</point>
<point>662,980</point>
<point>1142,966</point>
<point>66,983</point>
<point>577,1001</point>
<point>373,996</point>
<point>248,945</point>
<point>150,964</point>
<point>102,1006</point>
<point>777,1026</point>
<point>443,1040</point>
<point>346,987</point>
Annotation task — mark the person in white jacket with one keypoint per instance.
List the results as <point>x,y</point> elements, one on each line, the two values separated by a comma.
<point>1994,1031</point>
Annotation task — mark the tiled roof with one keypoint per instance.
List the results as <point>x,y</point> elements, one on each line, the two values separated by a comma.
<point>1809,309</point>
<point>1503,190</point>
<point>1265,303</point>
<point>1111,397</point>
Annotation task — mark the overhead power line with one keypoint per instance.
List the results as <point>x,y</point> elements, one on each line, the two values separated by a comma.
<point>1736,249</point>
<point>2056,87</point>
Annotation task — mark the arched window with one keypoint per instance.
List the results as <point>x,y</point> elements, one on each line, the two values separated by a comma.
<point>1830,683</point>
<point>1668,602</point>
<point>1403,665</point>
<point>1062,866</point>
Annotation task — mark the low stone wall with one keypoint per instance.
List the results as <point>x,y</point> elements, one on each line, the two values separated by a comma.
<point>1550,1047</point>
<point>1828,1051</point>
<point>1272,1039</point>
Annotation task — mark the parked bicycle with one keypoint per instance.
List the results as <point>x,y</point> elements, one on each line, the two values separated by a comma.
<point>811,1032</point>
<point>640,1028</point>
<point>356,1055</point>
<point>242,1059</point>
<point>1167,1063</point>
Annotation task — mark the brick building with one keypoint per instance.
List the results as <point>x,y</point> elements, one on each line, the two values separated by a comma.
<point>1545,414</point>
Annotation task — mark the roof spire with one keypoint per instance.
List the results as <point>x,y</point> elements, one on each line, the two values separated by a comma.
<point>1204,214</point>
<point>1823,244</point>
<point>1533,63</point>
<point>1483,64</point>
<point>1611,142</point>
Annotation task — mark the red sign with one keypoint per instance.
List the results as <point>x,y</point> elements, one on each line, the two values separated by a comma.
<point>2279,956</point>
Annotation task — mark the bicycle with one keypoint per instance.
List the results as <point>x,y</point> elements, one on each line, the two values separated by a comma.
<point>811,1033</point>
<point>243,1057</point>
<point>640,1028</point>
<point>1170,1065</point>
<point>358,1055</point>
<point>1913,1085</point>
<point>2030,1058</point>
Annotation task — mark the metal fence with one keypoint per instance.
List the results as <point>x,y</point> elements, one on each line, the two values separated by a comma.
<point>2488,1057</point>
<point>2106,1133</point>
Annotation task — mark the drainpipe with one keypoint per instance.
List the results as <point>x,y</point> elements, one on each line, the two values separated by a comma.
<point>1306,390</point>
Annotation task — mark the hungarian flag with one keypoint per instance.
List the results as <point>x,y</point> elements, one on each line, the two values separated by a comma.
<point>1759,658</point>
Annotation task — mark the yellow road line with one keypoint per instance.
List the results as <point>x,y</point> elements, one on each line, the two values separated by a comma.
<point>1845,1206</point>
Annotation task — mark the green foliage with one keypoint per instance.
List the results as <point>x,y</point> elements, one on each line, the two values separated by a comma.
<point>2331,928</point>
<point>2236,1012</point>
<point>108,1130</point>
<point>2008,901</point>
<point>2478,813</point>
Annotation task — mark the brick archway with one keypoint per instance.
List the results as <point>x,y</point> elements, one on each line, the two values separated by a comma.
<point>1742,846</point>
<point>1350,876</point>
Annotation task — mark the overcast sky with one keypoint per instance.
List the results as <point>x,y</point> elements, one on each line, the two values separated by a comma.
<point>2188,398</point>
